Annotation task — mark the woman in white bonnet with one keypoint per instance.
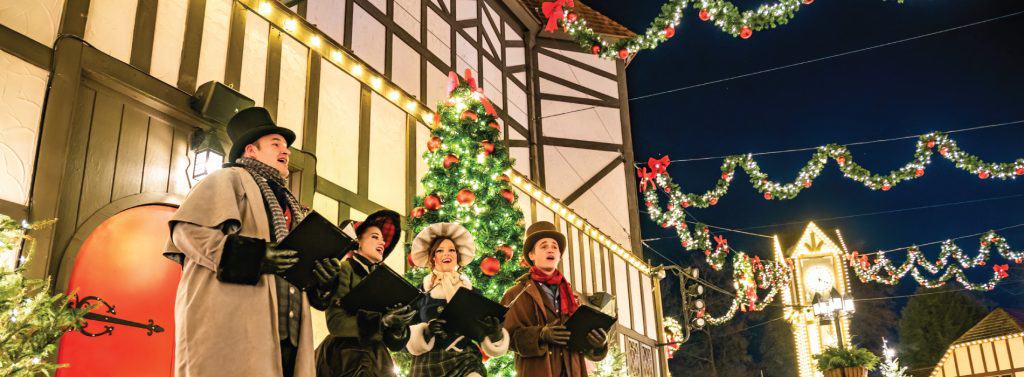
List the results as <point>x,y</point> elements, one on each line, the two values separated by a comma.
<point>445,248</point>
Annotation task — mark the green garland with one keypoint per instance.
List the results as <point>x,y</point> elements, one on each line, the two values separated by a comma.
<point>884,271</point>
<point>723,13</point>
<point>749,275</point>
<point>655,176</point>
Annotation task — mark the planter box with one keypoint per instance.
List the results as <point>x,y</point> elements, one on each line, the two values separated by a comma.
<point>847,372</point>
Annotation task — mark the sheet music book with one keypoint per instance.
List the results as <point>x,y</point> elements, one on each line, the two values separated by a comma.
<point>381,289</point>
<point>582,322</point>
<point>315,238</point>
<point>464,312</point>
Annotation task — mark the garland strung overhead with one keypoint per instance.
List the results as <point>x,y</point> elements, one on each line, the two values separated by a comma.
<point>749,275</point>
<point>882,270</point>
<point>655,175</point>
<point>722,13</point>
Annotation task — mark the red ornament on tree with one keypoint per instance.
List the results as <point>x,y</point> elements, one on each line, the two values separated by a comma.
<point>669,31</point>
<point>450,160</point>
<point>487,146</point>
<point>931,144</point>
<point>983,174</point>
<point>623,53</point>
<point>506,250</point>
<point>572,16</point>
<point>508,195</point>
<point>807,183</point>
<point>713,200</point>
<point>886,187</point>
<point>1019,171</point>
<point>468,115</point>
<point>685,204</point>
<point>745,32</point>
<point>704,16</point>
<point>841,160</point>
<point>434,143</point>
<point>465,197</point>
<point>417,212</point>
<point>943,151</point>
<point>432,202</point>
<point>768,196</point>
<point>490,266</point>
<point>919,172</point>
<point>595,49</point>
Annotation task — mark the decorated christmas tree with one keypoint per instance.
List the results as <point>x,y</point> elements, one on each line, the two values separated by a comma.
<point>32,319</point>
<point>466,183</point>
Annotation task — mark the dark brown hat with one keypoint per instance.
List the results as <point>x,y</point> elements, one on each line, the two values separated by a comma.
<point>251,124</point>
<point>538,231</point>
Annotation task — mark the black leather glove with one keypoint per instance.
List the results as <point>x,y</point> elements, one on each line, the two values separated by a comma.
<point>555,334</point>
<point>276,260</point>
<point>325,270</point>
<point>435,328</point>
<point>399,316</point>
<point>597,338</point>
<point>492,327</point>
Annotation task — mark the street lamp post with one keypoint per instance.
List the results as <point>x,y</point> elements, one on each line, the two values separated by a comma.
<point>833,308</point>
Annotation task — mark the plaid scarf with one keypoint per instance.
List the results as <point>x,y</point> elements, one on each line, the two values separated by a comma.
<point>263,174</point>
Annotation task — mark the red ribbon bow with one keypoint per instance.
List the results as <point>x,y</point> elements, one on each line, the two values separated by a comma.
<point>658,166</point>
<point>645,178</point>
<point>721,241</point>
<point>453,82</point>
<point>553,11</point>
<point>470,80</point>
<point>1001,269</point>
<point>487,103</point>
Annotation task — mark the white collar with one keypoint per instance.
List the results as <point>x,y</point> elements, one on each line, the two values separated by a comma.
<point>440,292</point>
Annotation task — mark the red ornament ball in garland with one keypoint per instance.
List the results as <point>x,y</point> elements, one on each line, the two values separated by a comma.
<point>432,202</point>
<point>808,2</point>
<point>768,196</point>
<point>572,17</point>
<point>433,144</point>
<point>487,146</point>
<point>704,15</point>
<point>886,187</point>
<point>508,195</point>
<point>984,244</point>
<point>417,212</point>
<point>669,31</point>
<point>919,172</point>
<point>745,32</point>
<point>1019,171</point>
<point>983,174</point>
<point>623,53</point>
<point>943,151</point>
<point>807,184</point>
<point>685,243</point>
<point>490,266</point>
<point>595,49</point>
<point>685,204</point>
<point>725,176</point>
<point>713,201</point>
<point>841,160</point>
<point>931,144</point>
<point>450,160</point>
<point>465,197</point>
<point>468,115</point>
<point>506,251</point>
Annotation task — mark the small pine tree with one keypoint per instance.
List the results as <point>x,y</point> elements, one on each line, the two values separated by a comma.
<point>613,365</point>
<point>32,319</point>
<point>891,366</point>
<point>466,183</point>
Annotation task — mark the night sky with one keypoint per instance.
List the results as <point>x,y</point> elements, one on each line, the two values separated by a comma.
<point>964,78</point>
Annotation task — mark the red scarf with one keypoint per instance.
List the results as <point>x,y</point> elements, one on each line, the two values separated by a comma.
<point>567,299</point>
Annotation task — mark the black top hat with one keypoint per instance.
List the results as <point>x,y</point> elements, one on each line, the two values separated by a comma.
<point>251,124</point>
<point>538,231</point>
<point>389,222</point>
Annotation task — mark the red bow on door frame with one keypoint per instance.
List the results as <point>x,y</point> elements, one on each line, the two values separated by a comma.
<point>554,12</point>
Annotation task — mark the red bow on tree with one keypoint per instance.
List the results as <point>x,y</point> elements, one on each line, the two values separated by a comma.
<point>658,166</point>
<point>486,102</point>
<point>1000,270</point>
<point>553,11</point>
<point>864,262</point>
<point>453,82</point>
<point>470,80</point>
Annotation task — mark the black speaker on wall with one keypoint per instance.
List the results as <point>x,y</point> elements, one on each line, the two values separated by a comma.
<point>218,102</point>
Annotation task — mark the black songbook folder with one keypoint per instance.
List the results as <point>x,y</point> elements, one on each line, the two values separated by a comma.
<point>582,322</point>
<point>314,238</point>
<point>464,312</point>
<point>381,290</point>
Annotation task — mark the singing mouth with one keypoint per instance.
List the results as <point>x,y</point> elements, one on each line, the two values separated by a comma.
<point>446,260</point>
<point>283,160</point>
<point>550,257</point>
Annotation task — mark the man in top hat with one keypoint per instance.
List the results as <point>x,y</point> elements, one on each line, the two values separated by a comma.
<point>539,304</point>
<point>234,314</point>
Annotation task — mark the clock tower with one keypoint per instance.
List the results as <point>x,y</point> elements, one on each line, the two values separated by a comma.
<point>818,266</point>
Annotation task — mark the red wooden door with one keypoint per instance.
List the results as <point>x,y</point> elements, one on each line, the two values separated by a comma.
<point>121,263</point>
